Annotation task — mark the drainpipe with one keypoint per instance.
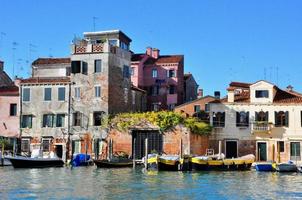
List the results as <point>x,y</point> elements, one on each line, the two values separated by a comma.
<point>68,124</point>
<point>18,150</point>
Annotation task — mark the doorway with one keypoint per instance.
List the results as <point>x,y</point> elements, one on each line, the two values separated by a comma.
<point>59,151</point>
<point>231,149</point>
<point>262,151</point>
<point>155,142</point>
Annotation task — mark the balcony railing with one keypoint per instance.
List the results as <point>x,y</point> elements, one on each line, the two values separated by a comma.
<point>262,127</point>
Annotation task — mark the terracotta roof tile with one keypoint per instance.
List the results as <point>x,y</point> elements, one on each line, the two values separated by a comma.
<point>48,61</point>
<point>240,84</point>
<point>11,90</point>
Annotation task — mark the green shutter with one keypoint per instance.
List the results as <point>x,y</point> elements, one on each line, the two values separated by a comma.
<point>286,118</point>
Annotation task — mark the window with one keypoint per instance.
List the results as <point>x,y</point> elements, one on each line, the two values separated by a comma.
<point>171,73</point>
<point>126,71</point>
<point>48,120</point>
<point>261,116</point>
<point>123,45</point>
<point>78,67</point>
<point>97,91</point>
<point>77,93</point>
<point>171,106</point>
<point>76,146</point>
<point>172,89</point>
<point>242,119</point>
<point>46,145</point>
<point>154,73</point>
<point>75,67</point>
<point>154,90</point>
<point>207,107</point>
<point>295,151</point>
<point>61,94</point>
<point>113,42</point>
<point>60,121</point>
<point>126,95</point>
<point>280,146</point>
<point>261,93</point>
<point>77,119</point>
<point>97,66</point>
<point>281,119</point>
<point>47,94</point>
<point>26,94</point>
<point>26,121</point>
<point>13,109</point>
<point>97,118</point>
<point>132,71</point>
<point>196,108</point>
<point>25,145</point>
<point>133,97</point>
<point>219,119</point>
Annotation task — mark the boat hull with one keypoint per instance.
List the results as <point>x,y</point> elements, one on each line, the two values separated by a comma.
<point>264,167</point>
<point>286,168</point>
<point>35,163</point>
<point>109,164</point>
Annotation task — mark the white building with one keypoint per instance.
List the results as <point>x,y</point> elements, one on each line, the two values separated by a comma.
<point>258,118</point>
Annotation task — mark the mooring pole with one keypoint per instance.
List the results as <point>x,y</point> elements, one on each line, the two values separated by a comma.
<point>133,153</point>
<point>180,148</point>
<point>219,148</point>
<point>146,153</point>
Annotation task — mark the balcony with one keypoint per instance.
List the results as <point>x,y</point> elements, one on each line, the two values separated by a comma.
<point>88,48</point>
<point>262,127</point>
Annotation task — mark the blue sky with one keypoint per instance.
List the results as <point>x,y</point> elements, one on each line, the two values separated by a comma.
<point>222,41</point>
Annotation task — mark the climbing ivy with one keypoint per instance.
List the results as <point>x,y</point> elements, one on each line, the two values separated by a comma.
<point>165,120</point>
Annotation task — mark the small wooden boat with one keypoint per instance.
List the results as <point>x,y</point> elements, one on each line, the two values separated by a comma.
<point>286,167</point>
<point>26,162</point>
<point>198,163</point>
<point>168,163</point>
<point>114,163</point>
<point>264,166</point>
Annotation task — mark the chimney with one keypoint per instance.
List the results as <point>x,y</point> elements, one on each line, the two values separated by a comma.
<point>217,95</point>
<point>231,95</point>
<point>155,53</point>
<point>289,88</point>
<point>149,51</point>
<point>1,66</point>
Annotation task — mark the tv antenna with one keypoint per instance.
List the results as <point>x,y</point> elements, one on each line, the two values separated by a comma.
<point>2,34</point>
<point>94,19</point>
<point>15,44</point>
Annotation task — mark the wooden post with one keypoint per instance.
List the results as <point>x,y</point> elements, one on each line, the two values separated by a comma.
<point>111,148</point>
<point>278,149</point>
<point>273,152</point>
<point>180,148</point>
<point>146,153</point>
<point>133,153</point>
<point>219,147</point>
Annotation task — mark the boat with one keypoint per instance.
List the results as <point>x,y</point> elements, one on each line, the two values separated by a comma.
<point>168,163</point>
<point>264,166</point>
<point>114,163</point>
<point>286,167</point>
<point>198,163</point>
<point>27,162</point>
<point>81,160</point>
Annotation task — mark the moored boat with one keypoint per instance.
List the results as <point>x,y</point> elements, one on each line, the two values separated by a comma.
<point>286,167</point>
<point>264,166</point>
<point>81,160</point>
<point>26,162</point>
<point>114,163</point>
<point>168,163</point>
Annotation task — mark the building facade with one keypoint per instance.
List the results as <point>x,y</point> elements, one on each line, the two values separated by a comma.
<point>66,101</point>
<point>258,118</point>
<point>190,88</point>
<point>9,106</point>
<point>162,76</point>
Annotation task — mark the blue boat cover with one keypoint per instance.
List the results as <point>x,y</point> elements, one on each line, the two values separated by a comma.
<point>80,159</point>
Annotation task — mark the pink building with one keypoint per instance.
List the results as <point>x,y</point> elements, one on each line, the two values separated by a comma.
<point>162,76</point>
<point>9,101</point>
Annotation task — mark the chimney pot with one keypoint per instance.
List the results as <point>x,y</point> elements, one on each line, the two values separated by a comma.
<point>155,53</point>
<point>1,66</point>
<point>149,51</point>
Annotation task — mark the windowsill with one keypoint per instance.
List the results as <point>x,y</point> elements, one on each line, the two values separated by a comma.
<point>13,116</point>
<point>26,128</point>
<point>62,101</point>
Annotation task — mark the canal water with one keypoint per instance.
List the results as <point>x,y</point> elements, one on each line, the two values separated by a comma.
<point>128,183</point>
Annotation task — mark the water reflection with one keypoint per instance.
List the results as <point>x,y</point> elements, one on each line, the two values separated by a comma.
<point>128,183</point>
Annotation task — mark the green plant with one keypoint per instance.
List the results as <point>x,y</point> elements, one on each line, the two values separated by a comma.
<point>198,127</point>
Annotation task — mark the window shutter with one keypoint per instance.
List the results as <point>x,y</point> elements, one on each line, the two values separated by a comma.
<point>286,118</point>
<point>247,119</point>
<point>167,73</point>
<point>237,119</point>
<point>223,119</point>
<point>266,119</point>
<point>72,146</point>
<point>256,116</point>
<point>276,117</point>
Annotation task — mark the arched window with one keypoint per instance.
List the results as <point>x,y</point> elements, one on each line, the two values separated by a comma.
<point>281,118</point>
